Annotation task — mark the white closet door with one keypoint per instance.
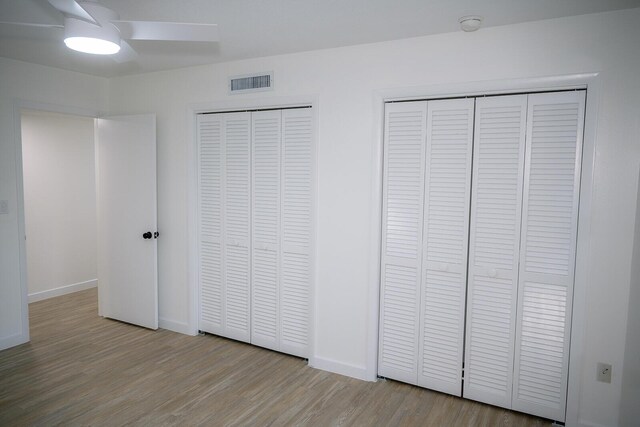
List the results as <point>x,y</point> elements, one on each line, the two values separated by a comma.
<point>265,259</point>
<point>446,230</point>
<point>494,245</point>
<point>297,207</point>
<point>210,183</point>
<point>237,216</point>
<point>403,194</point>
<point>548,248</point>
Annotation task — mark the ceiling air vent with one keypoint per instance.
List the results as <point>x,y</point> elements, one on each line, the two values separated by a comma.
<point>251,83</point>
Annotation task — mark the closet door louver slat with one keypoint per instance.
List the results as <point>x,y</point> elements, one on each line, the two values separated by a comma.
<point>494,245</point>
<point>296,230</point>
<point>210,175</point>
<point>446,228</point>
<point>265,248</point>
<point>237,215</point>
<point>403,193</point>
<point>548,249</point>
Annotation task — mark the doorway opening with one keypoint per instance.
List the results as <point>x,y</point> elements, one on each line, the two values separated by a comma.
<point>58,161</point>
<point>87,209</point>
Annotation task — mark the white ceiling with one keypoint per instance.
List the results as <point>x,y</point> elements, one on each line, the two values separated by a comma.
<point>254,28</point>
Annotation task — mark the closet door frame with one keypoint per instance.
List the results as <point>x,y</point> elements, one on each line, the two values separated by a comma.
<point>190,327</point>
<point>587,81</point>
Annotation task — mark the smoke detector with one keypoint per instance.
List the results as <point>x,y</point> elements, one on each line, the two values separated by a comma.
<point>470,23</point>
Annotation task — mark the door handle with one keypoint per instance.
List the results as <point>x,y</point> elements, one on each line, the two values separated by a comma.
<point>147,235</point>
<point>155,235</point>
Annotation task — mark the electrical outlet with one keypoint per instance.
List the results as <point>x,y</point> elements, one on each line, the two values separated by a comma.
<point>604,372</point>
<point>4,207</point>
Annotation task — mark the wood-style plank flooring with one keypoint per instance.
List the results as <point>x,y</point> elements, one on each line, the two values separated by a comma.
<point>80,369</point>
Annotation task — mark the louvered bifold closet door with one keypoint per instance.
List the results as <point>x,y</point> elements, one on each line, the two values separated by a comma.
<point>265,248</point>
<point>403,194</point>
<point>237,216</point>
<point>297,235</point>
<point>547,255</point>
<point>494,245</point>
<point>210,225</point>
<point>445,242</point>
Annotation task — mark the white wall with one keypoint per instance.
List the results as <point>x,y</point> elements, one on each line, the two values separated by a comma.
<point>33,85</point>
<point>344,81</point>
<point>630,403</point>
<point>58,160</point>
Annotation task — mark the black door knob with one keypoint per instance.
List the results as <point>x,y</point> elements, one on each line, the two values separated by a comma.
<point>155,235</point>
<point>147,235</point>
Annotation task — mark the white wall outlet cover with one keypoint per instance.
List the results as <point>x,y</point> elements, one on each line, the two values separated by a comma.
<point>604,372</point>
<point>4,207</point>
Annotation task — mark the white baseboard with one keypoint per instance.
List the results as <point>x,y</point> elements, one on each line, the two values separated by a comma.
<point>13,341</point>
<point>346,369</point>
<point>175,326</point>
<point>63,290</point>
<point>582,423</point>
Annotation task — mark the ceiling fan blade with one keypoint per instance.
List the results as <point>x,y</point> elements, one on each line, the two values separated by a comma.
<point>72,8</point>
<point>126,54</point>
<point>30,24</point>
<point>174,31</point>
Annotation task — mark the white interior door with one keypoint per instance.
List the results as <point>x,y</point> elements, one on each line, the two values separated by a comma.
<point>127,219</point>
<point>494,243</point>
<point>551,192</point>
<point>224,201</point>
<point>445,242</point>
<point>255,208</point>
<point>210,222</point>
<point>296,238</point>
<point>265,228</point>
<point>405,136</point>
<point>237,225</point>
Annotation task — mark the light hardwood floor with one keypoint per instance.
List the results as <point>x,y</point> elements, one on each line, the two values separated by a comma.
<point>80,369</point>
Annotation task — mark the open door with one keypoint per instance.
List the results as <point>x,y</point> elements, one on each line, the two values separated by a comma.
<point>127,219</point>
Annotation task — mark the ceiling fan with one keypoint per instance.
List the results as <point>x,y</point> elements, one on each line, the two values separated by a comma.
<point>93,28</point>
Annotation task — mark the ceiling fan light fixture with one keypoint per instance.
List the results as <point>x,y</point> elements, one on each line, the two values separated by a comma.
<point>92,45</point>
<point>102,38</point>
